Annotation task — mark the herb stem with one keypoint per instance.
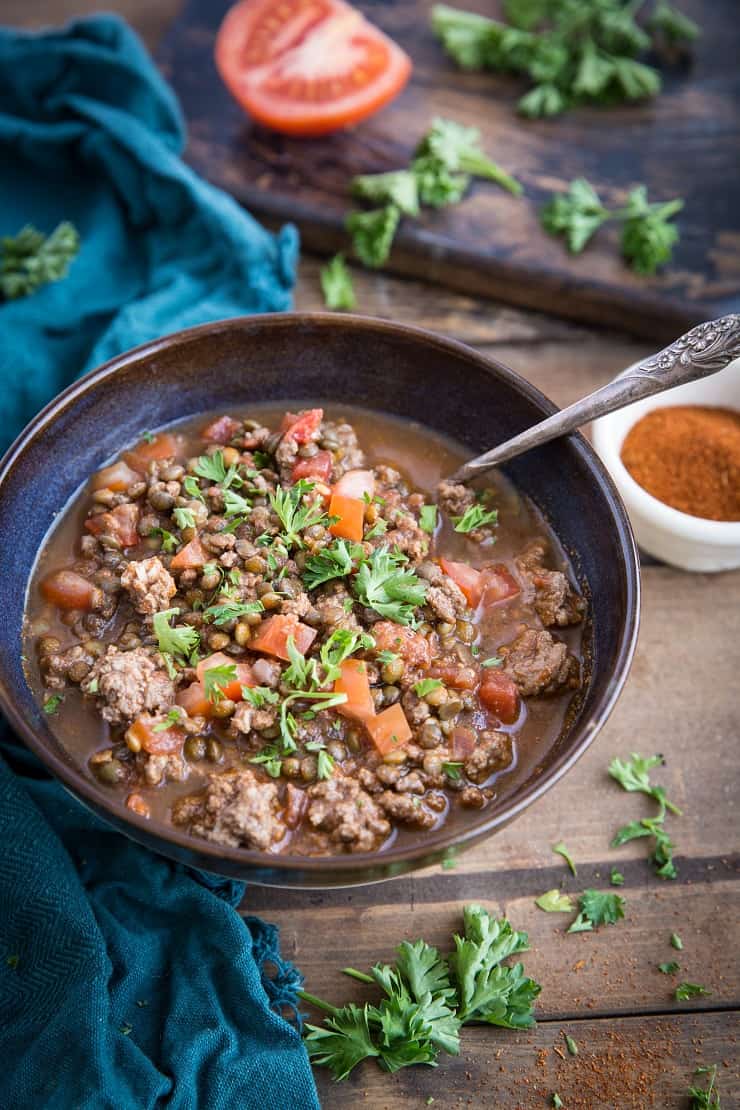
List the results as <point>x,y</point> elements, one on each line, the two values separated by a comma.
<point>317,1002</point>
<point>359,975</point>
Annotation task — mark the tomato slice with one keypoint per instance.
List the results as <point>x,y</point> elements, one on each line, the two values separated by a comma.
<point>317,467</point>
<point>118,477</point>
<point>353,682</point>
<point>498,585</point>
<point>194,701</point>
<point>350,515</point>
<point>466,577</point>
<point>68,590</point>
<point>153,741</point>
<point>220,430</point>
<point>413,647</point>
<point>498,693</point>
<point>389,730</point>
<point>189,557</point>
<point>307,67</point>
<point>301,426</point>
<point>232,689</point>
<point>274,633</point>
<point>162,446</point>
<point>121,523</point>
<point>356,483</point>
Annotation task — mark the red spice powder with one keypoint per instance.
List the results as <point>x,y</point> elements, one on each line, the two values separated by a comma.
<point>688,456</point>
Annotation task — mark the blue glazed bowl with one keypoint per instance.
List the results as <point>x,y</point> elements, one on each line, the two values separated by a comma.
<point>374,363</point>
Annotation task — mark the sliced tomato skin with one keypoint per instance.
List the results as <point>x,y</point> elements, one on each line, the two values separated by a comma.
<point>301,426</point>
<point>258,54</point>
<point>319,467</point>
<point>220,430</point>
<point>498,693</point>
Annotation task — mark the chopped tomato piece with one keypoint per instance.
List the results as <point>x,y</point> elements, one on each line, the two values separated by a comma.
<point>354,682</point>
<point>233,688</point>
<point>194,701</point>
<point>498,693</point>
<point>457,675</point>
<point>162,446</point>
<point>296,801</point>
<point>464,742</point>
<point>220,430</point>
<point>136,803</point>
<point>189,557</point>
<point>121,523</point>
<point>156,742</point>
<point>389,730</point>
<point>274,633</point>
<point>467,578</point>
<point>307,67</point>
<point>351,516</point>
<point>302,426</point>
<point>498,585</point>
<point>318,467</point>
<point>413,647</point>
<point>357,483</point>
<point>118,477</point>
<point>68,590</point>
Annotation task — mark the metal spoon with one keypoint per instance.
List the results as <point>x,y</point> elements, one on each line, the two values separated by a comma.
<point>704,350</point>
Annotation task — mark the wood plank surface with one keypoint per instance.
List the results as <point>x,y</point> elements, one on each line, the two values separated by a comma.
<point>684,143</point>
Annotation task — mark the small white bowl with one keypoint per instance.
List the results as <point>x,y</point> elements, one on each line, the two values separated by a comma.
<point>689,542</point>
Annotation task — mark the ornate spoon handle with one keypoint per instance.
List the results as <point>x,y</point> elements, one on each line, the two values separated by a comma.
<point>704,350</point>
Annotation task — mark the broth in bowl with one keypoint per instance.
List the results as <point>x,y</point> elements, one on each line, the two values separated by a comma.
<point>285,631</point>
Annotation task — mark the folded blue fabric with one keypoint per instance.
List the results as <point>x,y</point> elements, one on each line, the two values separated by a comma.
<point>126,981</point>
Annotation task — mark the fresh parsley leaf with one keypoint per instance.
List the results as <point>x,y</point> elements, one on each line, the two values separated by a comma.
<point>215,679</point>
<point>684,991</point>
<point>340,645</point>
<point>259,696</point>
<point>325,765</point>
<point>561,850</point>
<point>428,518</point>
<point>372,233</point>
<point>457,150</point>
<point>214,469</point>
<point>335,561</point>
<point>475,517</point>
<point>705,1098</point>
<point>425,686</point>
<point>169,542</point>
<point>183,517</point>
<point>669,969</point>
<point>235,504</point>
<point>378,529</point>
<point>295,515</point>
<point>437,186</point>
<point>386,657</point>
<point>232,610</point>
<point>492,661</point>
<point>52,703</point>
<point>556,1100</point>
<point>173,718</point>
<point>452,768</point>
<point>345,1040</point>
<point>602,909</point>
<point>616,878</point>
<point>673,25</point>
<point>179,643</point>
<point>571,1045</point>
<point>270,760</point>
<point>192,489</point>
<point>648,236</point>
<point>554,901</point>
<point>489,991</point>
<point>398,187</point>
<point>633,775</point>
<point>576,215</point>
<point>336,285</point>
<point>676,942</point>
<point>383,584</point>
<point>31,259</point>
<point>580,925</point>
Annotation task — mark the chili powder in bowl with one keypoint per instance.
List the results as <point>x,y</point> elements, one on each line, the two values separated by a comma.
<point>675,459</point>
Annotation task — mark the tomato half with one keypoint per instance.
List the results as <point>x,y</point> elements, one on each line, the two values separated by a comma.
<point>307,67</point>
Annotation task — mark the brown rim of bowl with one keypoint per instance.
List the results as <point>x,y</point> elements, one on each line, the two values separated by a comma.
<point>438,841</point>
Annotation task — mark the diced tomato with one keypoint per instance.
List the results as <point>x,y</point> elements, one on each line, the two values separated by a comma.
<point>156,743</point>
<point>220,430</point>
<point>464,742</point>
<point>194,701</point>
<point>466,577</point>
<point>296,801</point>
<point>351,515</point>
<point>118,477</point>
<point>162,446</point>
<point>318,467</point>
<point>274,633</point>
<point>359,484</point>
<point>68,590</point>
<point>233,688</point>
<point>307,67</point>
<point>189,557</point>
<point>498,585</point>
<point>457,675</point>
<point>354,682</point>
<point>413,647</point>
<point>389,730</point>
<point>121,523</point>
<point>498,693</point>
<point>301,426</point>
<point>136,803</point>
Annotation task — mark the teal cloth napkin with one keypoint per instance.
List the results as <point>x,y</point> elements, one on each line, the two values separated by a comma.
<point>126,981</point>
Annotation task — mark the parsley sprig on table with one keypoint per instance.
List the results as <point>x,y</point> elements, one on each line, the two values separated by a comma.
<point>648,236</point>
<point>427,998</point>
<point>597,908</point>
<point>31,259</point>
<point>336,285</point>
<point>634,776</point>
<point>705,1098</point>
<point>573,51</point>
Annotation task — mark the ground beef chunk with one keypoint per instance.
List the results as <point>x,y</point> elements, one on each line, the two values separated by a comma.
<point>235,809</point>
<point>407,808</point>
<point>165,768</point>
<point>474,798</point>
<point>408,538</point>
<point>128,684</point>
<point>298,605</point>
<point>447,601</point>
<point>60,667</point>
<point>266,672</point>
<point>246,718</point>
<point>555,600</point>
<point>539,664</point>
<point>149,584</point>
<point>492,753</point>
<point>341,808</point>
<point>454,498</point>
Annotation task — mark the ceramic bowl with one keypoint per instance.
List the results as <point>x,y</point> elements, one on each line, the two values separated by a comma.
<point>689,542</point>
<point>310,358</point>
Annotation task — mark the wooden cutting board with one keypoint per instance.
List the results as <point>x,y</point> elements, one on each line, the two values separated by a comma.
<point>685,143</point>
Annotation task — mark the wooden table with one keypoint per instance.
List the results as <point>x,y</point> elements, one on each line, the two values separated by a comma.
<point>637,1046</point>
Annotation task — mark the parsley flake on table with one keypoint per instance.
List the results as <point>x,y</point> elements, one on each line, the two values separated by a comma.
<point>384,584</point>
<point>676,942</point>
<point>475,517</point>
<point>706,1098</point>
<point>554,901</point>
<point>31,259</point>
<point>595,909</point>
<point>669,969</point>
<point>398,187</point>
<point>561,850</point>
<point>616,878</point>
<point>685,990</point>
<point>336,285</point>
<point>634,776</point>
<point>372,233</point>
<point>571,1045</point>
<point>456,149</point>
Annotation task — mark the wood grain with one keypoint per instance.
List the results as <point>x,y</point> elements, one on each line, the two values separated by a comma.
<point>685,143</point>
